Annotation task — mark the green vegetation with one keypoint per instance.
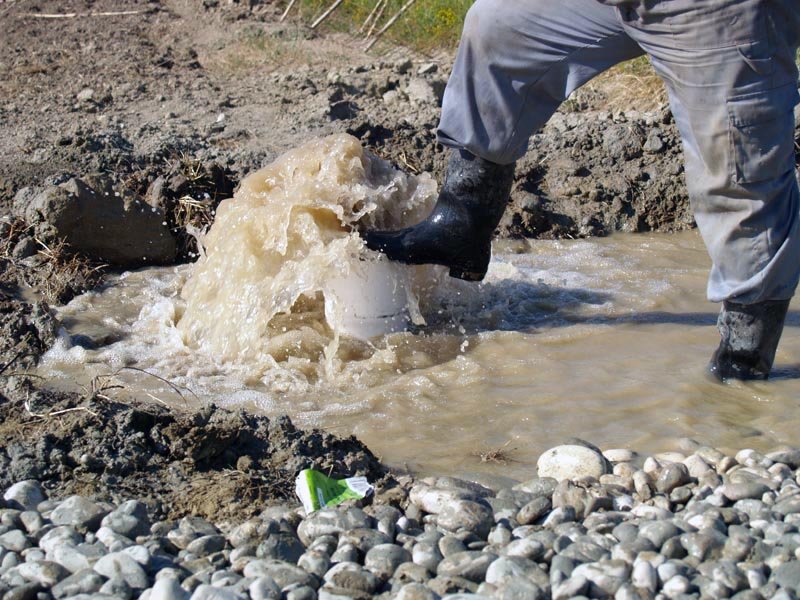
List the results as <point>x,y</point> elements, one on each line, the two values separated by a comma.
<point>427,25</point>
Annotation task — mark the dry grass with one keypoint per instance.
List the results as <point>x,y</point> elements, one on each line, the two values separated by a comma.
<point>59,276</point>
<point>258,49</point>
<point>426,26</point>
<point>630,84</point>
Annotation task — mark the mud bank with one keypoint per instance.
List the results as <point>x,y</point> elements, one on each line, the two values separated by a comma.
<point>212,462</point>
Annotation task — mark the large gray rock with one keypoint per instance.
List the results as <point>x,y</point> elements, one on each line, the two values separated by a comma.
<point>78,512</point>
<point>209,592</point>
<point>82,582</point>
<point>168,588</point>
<point>471,565</point>
<point>331,521</point>
<point>119,564</point>
<point>572,461</point>
<point>94,219</point>
<point>129,519</point>
<point>44,572</point>
<point>25,495</point>
<point>384,559</point>
<point>282,573</point>
<point>510,568</point>
<point>467,515</point>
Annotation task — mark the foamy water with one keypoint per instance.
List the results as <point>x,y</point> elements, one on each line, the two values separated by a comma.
<point>603,339</point>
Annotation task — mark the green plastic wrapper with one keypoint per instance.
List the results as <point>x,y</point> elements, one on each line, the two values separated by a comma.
<point>317,490</point>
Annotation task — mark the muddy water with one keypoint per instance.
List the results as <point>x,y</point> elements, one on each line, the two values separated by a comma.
<point>602,339</point>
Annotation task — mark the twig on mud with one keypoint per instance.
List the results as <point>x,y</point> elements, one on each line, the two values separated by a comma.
<point>389,23</point>
<point>286,12</point>
<point>174,387</point>
<point>55,413</point>
<point>326,14</point>
<point>112,13</point>
<point>156,398</point>
<point>18,355</point>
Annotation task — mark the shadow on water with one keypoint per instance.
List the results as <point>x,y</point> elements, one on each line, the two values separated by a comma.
<point>526,307</point>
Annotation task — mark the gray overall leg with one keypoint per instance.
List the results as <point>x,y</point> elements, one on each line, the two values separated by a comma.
<point>517,62</point>
<point>732,81</point>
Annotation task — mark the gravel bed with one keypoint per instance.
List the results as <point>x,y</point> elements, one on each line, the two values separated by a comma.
<point>691,524</point>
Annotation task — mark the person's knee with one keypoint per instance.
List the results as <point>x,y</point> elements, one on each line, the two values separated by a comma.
<point>489,22</point>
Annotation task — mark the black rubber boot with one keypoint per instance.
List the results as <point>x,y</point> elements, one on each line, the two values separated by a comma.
<point>458,233</point>
<point>750,335</point>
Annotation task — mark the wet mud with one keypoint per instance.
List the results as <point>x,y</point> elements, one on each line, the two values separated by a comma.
<point>211,462</point>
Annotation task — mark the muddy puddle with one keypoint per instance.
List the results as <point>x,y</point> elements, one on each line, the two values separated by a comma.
<point>604,339</point>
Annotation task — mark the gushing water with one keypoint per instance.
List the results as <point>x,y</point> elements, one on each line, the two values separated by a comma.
<point>604,339</point>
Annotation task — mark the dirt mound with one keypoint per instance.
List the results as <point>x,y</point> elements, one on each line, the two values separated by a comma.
<point>215,463</point>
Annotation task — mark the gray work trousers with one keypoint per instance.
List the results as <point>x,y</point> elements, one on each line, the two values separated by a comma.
<point>729,68</point>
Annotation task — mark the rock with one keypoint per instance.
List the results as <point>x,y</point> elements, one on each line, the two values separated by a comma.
<point>434,500</point>
<point>117,588</point>
<point>467,515</point>
<point>444,585</point>
<point>654,143</point>
<point>419,91</point>
<point>364,538</point>
<point>449,544</point>
<point>78,512</point>
<point>525,548</point>
<point>85,95</point>
<point>82,582</point>
<point>283,573</point>
<point>470,565</point>
<point>427,69</point>
<point>352,576</point>
<point>604,577</point>
<point>209,592</point>
<point>617,455</point>
<point>129,519</point>
<point>743,490</point>
<point>787,576</point>
<point>15,541</point>
<point>658,532</point>
<point>58,536</point>
<point>509,568</point>
<point>70,557</point>
<point>331,521</point>
<point>94,219</point>
<point>644,576</point>
<point>119,564</point>
<point>416,591</point>
<point>45,572</point>
<point>571,462</point>
<point>315,562</point>
<point>671,476</point>
<point>32,521</point>
<point>534,510</point>
<point>427,555</point>
<point>168,588</point>
<point>384,559</point>
<point>25,495</point>
<point>623,141</point>
<point>206,544</point>
<point>27,591</point>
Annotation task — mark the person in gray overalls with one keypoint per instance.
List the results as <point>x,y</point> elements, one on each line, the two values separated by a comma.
<point>729,68</point>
